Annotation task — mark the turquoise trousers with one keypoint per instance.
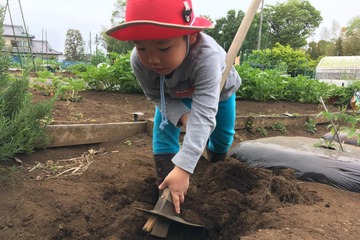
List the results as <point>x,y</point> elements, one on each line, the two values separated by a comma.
<point>220,140</point>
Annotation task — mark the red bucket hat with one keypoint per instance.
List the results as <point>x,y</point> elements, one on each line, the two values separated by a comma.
<point>158,19</point>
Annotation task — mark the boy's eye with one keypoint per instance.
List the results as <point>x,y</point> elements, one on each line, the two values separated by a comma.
<point>164,49</point>
<point>140,49</point>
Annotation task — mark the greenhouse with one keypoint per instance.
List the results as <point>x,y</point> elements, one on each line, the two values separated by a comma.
<point>340,70</point>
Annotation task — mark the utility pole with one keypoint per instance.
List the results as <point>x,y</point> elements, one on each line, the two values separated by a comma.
<point>90,43</point>
<point>96,44</point>
<point>260,25</point>
<point>42,44</point>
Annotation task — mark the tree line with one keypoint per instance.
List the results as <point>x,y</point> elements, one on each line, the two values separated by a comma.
<point>290,23</point>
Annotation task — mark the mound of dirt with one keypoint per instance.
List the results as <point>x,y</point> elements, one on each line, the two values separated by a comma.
<point>232,200</point>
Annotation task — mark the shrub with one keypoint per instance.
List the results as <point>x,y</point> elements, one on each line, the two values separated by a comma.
<point>117,77</point>
<point>22,123</point>
<point>274,85</point>
<point>293,61</point>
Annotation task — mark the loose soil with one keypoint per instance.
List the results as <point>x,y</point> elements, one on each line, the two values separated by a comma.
<point>91,191</point>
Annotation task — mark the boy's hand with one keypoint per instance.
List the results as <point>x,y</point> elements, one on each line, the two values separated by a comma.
<point>178,182</point>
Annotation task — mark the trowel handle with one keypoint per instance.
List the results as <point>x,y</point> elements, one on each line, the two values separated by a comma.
<point>239,38</point>
<point>166,195</point>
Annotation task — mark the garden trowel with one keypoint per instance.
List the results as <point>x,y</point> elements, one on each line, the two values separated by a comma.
<point>162,215</point>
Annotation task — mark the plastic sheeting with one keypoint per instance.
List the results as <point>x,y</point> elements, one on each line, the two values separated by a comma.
<point>341,170</point>
<point>343,138</point>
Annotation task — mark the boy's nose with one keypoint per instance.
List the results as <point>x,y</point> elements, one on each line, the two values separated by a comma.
<point>153,59</point>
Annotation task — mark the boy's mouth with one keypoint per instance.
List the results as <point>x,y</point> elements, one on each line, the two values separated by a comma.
<point>159,70</point>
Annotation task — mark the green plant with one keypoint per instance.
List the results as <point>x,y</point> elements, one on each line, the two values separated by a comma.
<point>69,88</point>
<point>117,77</point>
<point>279,126</point>
<point>78,68</point>
<point>99,57</point>
<point>44,86</point>
<point>249,126</point>
<point>323,143</point>
<point>22,122</point>
<point>49,65</point>
<point>263,132</point>
<point>45,74</point>
<point>75,117</point>
<point>272,84</point>
<point>310,125</point>
<point>341,121</point>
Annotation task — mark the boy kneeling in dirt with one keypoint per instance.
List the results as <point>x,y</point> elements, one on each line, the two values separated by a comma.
<point>180,69</point>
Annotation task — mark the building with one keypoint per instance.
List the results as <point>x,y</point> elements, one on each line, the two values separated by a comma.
<point>24,44</point>
<point>339,70</point>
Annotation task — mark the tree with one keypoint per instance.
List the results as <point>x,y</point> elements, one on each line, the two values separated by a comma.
<point>313,50</point>
<point>351,39</point>
<point>74,46</point>
<point>226,28</point>
<point>339,47</point>
<point>292,22</point>
<point>354,25</point>
<point>322,48</point>
<point>117,17</point>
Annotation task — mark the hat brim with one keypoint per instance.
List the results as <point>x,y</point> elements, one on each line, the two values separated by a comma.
<point>150,30</point>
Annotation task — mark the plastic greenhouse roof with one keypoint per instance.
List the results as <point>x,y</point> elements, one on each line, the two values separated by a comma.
<point>337,62</point>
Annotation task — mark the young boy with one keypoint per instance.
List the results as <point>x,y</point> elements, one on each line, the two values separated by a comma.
<point>180,69</point>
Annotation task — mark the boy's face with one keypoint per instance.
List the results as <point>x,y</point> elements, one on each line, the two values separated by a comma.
<point>162,56</point>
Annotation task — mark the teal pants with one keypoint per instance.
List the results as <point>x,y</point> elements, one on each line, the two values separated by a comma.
<point>167,140</point>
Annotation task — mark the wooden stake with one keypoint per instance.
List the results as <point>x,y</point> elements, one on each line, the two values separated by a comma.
<point>150,223</point>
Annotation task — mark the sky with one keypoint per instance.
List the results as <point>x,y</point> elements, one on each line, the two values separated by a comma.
<point>47,19</point>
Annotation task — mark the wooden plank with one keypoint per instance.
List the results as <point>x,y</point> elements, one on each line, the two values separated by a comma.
<point>79,134</point>
<point>262,121</point>
<point>241,122</point>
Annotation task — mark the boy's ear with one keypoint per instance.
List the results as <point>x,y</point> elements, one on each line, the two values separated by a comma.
<point>192,38</point>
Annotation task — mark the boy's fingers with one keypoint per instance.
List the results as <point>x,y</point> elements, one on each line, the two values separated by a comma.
<point>163,185</point>
<point>181,198</point>
<point>176,202</point>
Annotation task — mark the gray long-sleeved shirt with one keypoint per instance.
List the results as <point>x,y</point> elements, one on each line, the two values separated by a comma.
<point>197,78</point>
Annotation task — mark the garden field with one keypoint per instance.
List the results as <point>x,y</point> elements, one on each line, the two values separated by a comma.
<point>91,191</point>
